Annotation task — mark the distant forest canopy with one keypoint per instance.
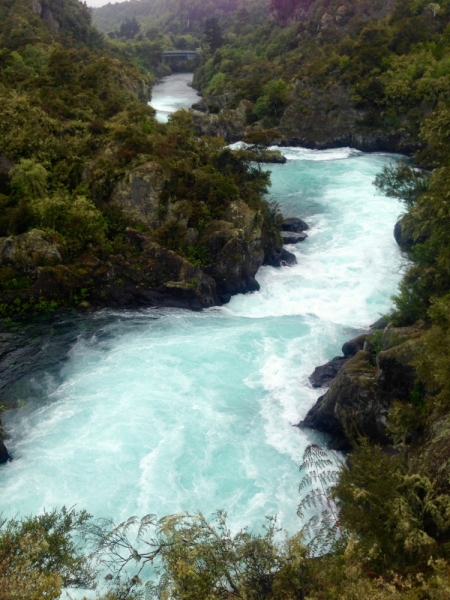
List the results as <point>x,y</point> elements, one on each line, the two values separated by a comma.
<point>179,17</point>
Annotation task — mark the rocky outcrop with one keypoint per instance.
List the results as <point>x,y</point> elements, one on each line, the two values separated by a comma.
<point>294,224</point>
<point>29,250</point>
<point>315,117</point>
<point>320,118</point>
<point>37,7</point>
<point>139,192</point>
<point>229,124</point>
<point>350,406</point>
<point>362,393</point>
<point>49,19</point>
<point>4,454</point>
<point>324,374</point>
<point>277,256</point>
<point>236,249</point>
<point>290,237</point>
<point>404,241</point>
<point>148,275</point>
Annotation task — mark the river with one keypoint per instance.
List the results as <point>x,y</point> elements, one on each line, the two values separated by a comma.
<point>167,410</point>
<point>171,94</point>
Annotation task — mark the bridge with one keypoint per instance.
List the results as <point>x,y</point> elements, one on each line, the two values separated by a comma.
<point>180,54</point>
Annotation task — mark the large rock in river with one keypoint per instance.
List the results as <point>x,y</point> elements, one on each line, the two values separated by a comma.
<point>290,237</point>
<point>324,374</point>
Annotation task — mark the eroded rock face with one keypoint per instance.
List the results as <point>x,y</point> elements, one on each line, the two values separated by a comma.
<point>49,19</point>
<point>37,7</point>
<point>350,405</point>
<point>139,192</point>
<point>28,251</point>
<point>236,248</point>
<point>229,124</point>
<point>324,374</point>
<point>159,277</point>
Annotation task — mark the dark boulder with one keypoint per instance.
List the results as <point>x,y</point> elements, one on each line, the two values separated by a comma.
<point>382,323</point>
<point>4,455</point>
<point>294,224</point>
<point>324,374</point>
<point>355,345</point>
<point>290,237</point>
<point>404,240</point>
<point>277,256</point>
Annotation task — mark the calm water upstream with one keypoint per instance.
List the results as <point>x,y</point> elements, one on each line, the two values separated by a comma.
<point>162,411</point>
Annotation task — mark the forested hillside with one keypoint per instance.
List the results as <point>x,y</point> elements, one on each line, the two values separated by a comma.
<point>179,17</point>
<point>76,135</point>
<point>330,73</point>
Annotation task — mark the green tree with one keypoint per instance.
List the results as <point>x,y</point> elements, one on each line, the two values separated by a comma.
<point>129,29</point>
<point>39,556</point>
<point>213,33</point>
<point>402,182</point>
<point>29,179</point>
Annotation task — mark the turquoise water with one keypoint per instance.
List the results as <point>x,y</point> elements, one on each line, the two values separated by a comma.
<point>169,410</point>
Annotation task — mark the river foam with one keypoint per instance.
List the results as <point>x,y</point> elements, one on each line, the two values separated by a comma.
<point>169,410</point>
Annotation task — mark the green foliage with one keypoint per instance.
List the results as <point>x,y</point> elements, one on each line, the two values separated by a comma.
<point>432,363</point>
<point>74,121</point>
<point>29,179</point>
<point>129,29</point>
<point>213,33</point>
<point>41,555</point>
<point>402,182</point>
<point>198,256</point>
<point>400,519</point>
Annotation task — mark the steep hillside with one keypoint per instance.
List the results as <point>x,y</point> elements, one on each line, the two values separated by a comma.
<point>179,17</point>
<point>82,160</point>
<point>328,74</point>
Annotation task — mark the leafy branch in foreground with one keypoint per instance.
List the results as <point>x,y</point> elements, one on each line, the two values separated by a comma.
<point>41,555</point>
<point>323,528</point>
<point>193,558</point>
